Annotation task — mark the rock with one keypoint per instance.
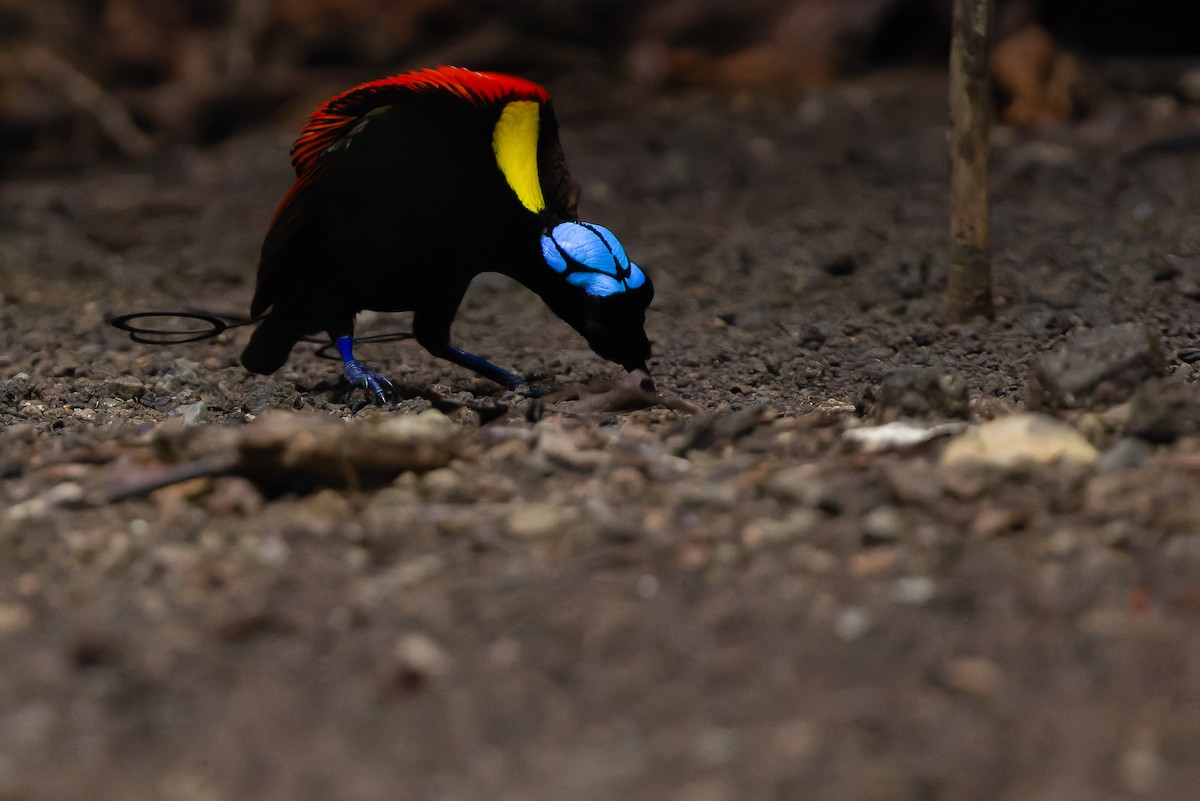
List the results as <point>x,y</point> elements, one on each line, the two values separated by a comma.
<point>444,485</point>
<point>797,524</point>
<point>873,562</point>
<point>15,389</point>
<point>192,413</point>
<point>14,618</point>
<point>1185,273</point>
<point>920,393</point>
<point>1042,81</point>
<point>270,395</point>
<point>913,590</point>
<point>1029,438</point>
<point>995,521</point>
<point>127,387</point>
<point>972,676</point>
<point>297,451</point>
<point>913,481</point>
<point>1125,453</point>
<point>415,660</point>
<point>68,493</point>
<point>898,434</point>
<point>804,484</point>
<point>1141,766</point>
<point>537,521</point>
<point>403,576</point>
<point>1163,410</point>
<point>850,623</point>
<point>812,560</point>
<point>1096,369</point>
<point>233,495</point>
<point>883,524</point>
<point>565,449</point>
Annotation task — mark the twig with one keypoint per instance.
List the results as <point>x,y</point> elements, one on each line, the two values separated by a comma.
<point>969,287</point>
<point>135,485</point>
<point>636,391</point>
<point>56,74</point>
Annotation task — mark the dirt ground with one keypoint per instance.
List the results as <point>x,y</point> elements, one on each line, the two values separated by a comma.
<point>732,604</point>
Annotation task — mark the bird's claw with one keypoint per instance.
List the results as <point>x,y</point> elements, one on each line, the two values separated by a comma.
<point>378,387</point>
<point>522,387</point>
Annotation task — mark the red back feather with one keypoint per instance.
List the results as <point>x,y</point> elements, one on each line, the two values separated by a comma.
<point>337,116</point>
<point>334,118</point>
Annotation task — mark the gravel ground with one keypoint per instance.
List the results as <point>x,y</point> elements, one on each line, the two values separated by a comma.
<point>868,557</point>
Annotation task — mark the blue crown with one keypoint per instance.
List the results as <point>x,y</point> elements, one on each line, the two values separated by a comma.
<point>591,258</point>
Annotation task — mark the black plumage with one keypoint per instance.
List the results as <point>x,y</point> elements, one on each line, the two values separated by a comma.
<point>409,187</point>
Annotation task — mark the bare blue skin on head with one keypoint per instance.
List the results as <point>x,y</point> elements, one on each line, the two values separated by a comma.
<point>590,257</point>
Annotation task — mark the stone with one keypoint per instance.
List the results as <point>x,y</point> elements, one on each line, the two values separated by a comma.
<point>873,562</point>
<point>803,484</point>
<point>883,524</point>
<point>921,393</point>
<point>192,413</point>
<point>1029,438</point>
<point>127,387</point>
<point>535,521</point>
<point>1124,454</point>
<point>1095,369</point>
<point>850,623</point>
<point>564,449</point>
<point>797,524</point>
<point>415,660</point>
<point>301,451</point>
<point>913,590</point>
<point>898,434</point>
<point>1163,410</point>
<point>972,676</point>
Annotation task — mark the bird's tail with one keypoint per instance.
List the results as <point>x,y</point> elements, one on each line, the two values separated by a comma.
<point>270,344</point>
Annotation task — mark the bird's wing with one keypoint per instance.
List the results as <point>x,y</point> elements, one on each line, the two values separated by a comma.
<point>339,116</point>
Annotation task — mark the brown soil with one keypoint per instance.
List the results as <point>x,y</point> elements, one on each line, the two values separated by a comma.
<point>733,604</point>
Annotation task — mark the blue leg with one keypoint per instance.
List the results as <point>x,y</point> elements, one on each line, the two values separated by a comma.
<point>432,330</point>
<point>483,367</point>
<point>359,376</point>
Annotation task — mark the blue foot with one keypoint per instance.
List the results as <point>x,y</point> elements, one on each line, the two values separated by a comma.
<point>523,387</point>
<point>377,386</point>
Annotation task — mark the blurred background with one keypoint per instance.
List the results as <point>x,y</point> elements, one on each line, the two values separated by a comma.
<point>87,80</point>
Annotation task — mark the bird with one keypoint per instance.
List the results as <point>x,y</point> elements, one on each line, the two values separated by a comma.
<point>408,187</point>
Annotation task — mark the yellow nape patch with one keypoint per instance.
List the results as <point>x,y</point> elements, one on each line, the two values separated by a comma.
<point>514,141</point>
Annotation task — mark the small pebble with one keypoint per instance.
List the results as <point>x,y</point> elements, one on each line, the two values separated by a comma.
<point>972,676</point>
<point>850,623</point>
<point>913,590</point>
<point>193,413</point>
<point>765,532</point>
<point>884,523</point>
<point>873,562</point>
<point>536,521</point>
<point>14,618</point>
<point>1125,453</point>
<point>1140,765</point>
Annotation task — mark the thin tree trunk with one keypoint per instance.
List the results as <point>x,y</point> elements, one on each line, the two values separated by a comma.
<point>969,289</point>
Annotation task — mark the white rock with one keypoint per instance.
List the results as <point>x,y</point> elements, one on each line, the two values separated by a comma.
<point>538,520</point>
<point>899,434</point>
<point>851,623</point>
<point>1020,439</point>
<point>913,590</point>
